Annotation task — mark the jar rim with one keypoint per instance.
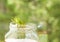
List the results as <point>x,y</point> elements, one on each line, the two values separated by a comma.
<point>26,26</point>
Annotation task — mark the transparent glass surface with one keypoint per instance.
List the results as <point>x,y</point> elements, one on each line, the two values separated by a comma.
<point>21,34</point>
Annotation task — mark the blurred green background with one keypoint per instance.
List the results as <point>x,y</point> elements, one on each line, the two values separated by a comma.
<point>35,11</point>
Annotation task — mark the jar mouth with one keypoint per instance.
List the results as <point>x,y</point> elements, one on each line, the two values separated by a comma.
<point>22,26</point>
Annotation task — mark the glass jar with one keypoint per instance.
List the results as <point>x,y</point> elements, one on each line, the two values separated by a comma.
<point>21,34</point>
